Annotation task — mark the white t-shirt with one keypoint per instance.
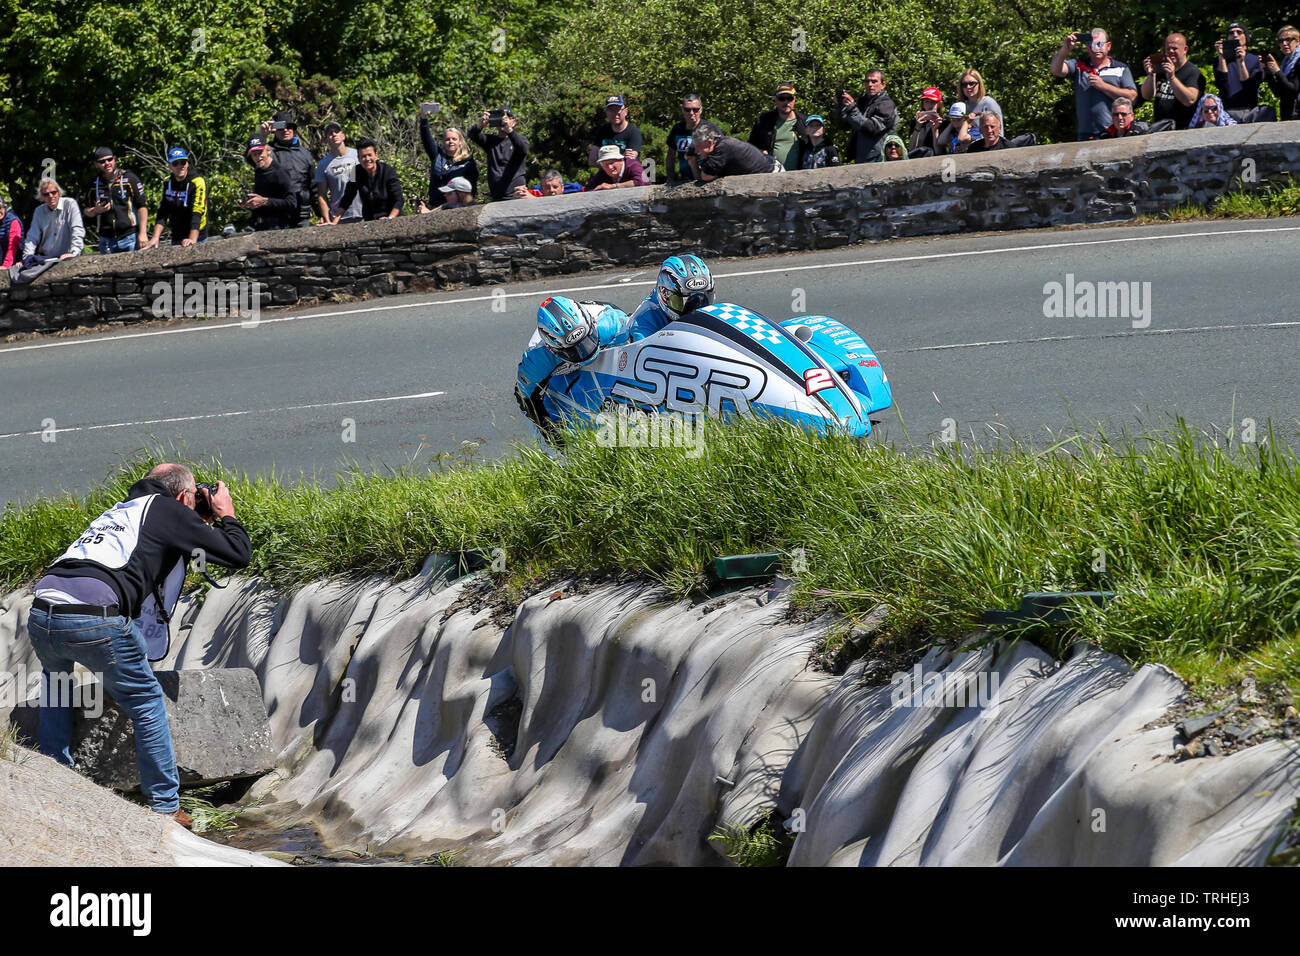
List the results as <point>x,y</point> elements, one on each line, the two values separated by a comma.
<point>334,173</point>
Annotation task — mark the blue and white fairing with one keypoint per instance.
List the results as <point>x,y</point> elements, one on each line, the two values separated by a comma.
<point>726,360</point>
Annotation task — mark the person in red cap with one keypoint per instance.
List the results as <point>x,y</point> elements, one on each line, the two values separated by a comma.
<point>929,118</point>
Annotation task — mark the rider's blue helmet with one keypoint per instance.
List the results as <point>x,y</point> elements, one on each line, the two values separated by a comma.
<point>685,284</point>
<point>567,330</point>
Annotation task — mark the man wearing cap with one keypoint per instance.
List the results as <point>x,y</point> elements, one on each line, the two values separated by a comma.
<point>336,169</point>
<point>1098,80</point>
<point>616,130</point>
<point>960,130</point>
<point>458,192</point>
<point>281,131</point>
<point>780,132</point>
<point>818,151</point>
<point>274,199</point>
<point>506,151</point>
<point>1238,79</point>
<point>925,135</point>
<point>184,204</point>
<point>116,203</point>
<point>616,171</point>
<point>871,118</point>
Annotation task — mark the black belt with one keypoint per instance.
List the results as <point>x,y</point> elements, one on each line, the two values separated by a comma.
<point>94,610</point>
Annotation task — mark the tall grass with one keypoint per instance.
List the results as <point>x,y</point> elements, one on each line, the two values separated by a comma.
<point>1199,538</point>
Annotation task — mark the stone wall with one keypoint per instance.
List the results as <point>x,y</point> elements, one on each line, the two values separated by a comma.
<point>732,218</point>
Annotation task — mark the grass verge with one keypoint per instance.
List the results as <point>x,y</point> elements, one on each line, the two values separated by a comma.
<point>1266,201</point>
<point>1199,535</point>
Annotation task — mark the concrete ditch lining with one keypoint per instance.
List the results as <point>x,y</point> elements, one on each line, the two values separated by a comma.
<point>377,697</point>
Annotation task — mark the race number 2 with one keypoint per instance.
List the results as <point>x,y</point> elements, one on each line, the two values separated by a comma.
<point>815,379</point>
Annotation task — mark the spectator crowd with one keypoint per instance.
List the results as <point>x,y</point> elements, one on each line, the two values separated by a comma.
<point>350,183</point>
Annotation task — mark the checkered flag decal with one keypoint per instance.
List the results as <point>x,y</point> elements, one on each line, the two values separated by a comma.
<point>755,326</point>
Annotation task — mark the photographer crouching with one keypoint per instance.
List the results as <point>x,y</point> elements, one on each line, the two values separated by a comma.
<point>118,581</point>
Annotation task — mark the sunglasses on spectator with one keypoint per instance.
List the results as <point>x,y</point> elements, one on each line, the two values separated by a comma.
<point>101,162</point>
<point>50,192</point>
<point>179,162</point>
<point>785,98</point>
<point>970,83</point>
<point>1098,44</point>
<point>1210,109</point>
<point>693,109</point>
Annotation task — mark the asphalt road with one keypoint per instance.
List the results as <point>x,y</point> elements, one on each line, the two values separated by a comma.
<point>959,324</point>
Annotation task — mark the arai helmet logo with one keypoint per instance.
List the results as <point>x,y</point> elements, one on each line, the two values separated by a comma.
<point>695,284</point>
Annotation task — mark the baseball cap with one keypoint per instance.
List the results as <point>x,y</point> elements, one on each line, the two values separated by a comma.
<point>255,143</point>
<point>814,119</point>
<point>457,184</point>
<point>103,152</point>
<point>785,88</point>
<point>932,93</point>
<point>176,153</point>
<point>611,151</point>
<point>615,99</point>
<point>332,128</point>
<point>956,110</point>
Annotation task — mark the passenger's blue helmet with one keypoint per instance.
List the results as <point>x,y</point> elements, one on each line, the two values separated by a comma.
<point>685,284</point>
<point>567,330</point>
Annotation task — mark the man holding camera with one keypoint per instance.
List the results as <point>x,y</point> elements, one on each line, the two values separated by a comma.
<point>506,151</point>
<point>871,118</point>
<point>122,575</point>
<point>1237,75</point>
<point>282,133</point>
<point>1098,80</point>
<point>1174,82</point>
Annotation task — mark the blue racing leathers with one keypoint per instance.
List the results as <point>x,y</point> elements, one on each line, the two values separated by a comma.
<point>613,327</point>
<point>649,318</point>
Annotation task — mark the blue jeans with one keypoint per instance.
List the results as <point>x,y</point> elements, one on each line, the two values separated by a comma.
<point>113,648</point>
<point>125,244</point>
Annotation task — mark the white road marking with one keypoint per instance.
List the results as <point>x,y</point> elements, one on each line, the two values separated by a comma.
<point>621,284</point>
<point>1128,333</point>
<point>195,418</point>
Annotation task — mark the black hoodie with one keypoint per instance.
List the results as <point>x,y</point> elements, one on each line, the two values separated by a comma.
<point>135,544</point>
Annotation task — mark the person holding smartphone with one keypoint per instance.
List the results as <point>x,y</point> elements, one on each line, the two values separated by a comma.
<point>925,133</point>
<point>1098,80</point>
<point>1283,77</point>
<point>1174,82</point>
<point>1237,75</point>
<point>506,149</point>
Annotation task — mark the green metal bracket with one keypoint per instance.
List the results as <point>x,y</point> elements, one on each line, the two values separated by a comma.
<point>1046,607</point>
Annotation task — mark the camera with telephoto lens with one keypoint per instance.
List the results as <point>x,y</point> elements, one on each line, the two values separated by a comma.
<point>1082,36</point>
<point>203,502</point>
<point>1230,45</point>
<point>495,117</point>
